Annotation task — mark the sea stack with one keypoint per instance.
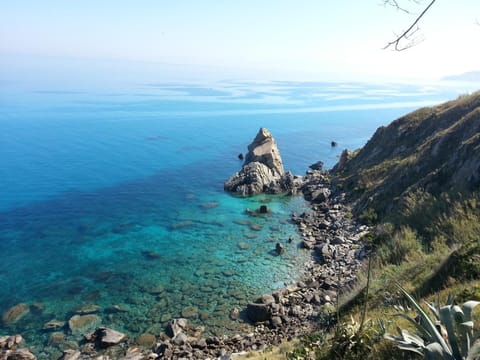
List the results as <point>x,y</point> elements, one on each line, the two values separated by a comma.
<point>262,171</point>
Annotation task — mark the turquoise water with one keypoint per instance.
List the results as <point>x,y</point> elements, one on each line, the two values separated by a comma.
<point>115,197</point>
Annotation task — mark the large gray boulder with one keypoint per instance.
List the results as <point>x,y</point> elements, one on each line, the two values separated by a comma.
<point>262,171</point>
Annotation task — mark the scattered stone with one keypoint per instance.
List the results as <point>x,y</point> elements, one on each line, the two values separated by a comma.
<point>279,249</point>
<point>145,340</point>
<point>83,324</point>
<point>56,338</point>
<point>151,255</point>
<point>263,209</point>
<point>20,354</point>
<point>87,309</point>
<point>10,342</point>
<point>53,325</point>
<point>190,312</point>
<point>109,337</point>
<point>317,166</point>
<point>71,355</point>
<point>176,326</point>
<point>243,245</point>
<point>15,313</point>
<point>117,308</point>
<point>234,314</point>
<point>258,312</point>
<point>210,205</point>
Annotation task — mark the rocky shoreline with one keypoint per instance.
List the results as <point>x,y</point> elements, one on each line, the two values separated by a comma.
<point>327,230</point>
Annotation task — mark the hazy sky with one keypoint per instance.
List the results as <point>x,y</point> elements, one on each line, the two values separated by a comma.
<point>304,38</point>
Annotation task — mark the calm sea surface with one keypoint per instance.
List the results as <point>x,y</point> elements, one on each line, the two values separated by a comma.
<point>115,198</point>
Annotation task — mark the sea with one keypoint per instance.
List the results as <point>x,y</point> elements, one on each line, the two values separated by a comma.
<point>112,199</point>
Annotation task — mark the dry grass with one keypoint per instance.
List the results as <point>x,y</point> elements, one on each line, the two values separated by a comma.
<point>271,353</point>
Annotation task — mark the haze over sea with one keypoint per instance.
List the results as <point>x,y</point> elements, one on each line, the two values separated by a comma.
<point>113,195</point>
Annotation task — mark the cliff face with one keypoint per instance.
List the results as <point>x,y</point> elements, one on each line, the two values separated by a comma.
<point>436,150</point>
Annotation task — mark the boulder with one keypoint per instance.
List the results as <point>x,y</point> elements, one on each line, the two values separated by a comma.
<point>10,342</point>
<point>83,324</point>
<point>109,337</point>
<point>53,325</point>
<point>20,354</point>
<point>262,170</point>
<point>317,166</point>
<point>176,326</point>
<point>71,355</point>
<point>16,312</point>
<point>258,312</point>
<point>279,249</point>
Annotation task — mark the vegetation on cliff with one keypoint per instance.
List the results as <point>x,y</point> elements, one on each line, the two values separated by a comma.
<point>417,182</point>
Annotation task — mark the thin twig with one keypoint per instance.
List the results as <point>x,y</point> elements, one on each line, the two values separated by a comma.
<point>408,33</point>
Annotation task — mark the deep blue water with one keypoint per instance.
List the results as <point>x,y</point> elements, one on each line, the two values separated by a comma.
<point>107,195</point>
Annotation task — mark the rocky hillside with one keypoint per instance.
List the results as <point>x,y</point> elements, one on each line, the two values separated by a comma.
<point>433,150</point>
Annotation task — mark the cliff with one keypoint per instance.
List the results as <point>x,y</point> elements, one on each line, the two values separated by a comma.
<point>434,150</point>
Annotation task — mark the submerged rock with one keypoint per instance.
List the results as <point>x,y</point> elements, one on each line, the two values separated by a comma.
<point>82,324</point>
<point>262,171</point>
<point>14,314</point>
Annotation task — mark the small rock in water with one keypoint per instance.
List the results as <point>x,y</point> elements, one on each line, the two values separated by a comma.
<point>151,255</point>
<point>83,324</point>
<point>71,355</point>
<point>210,205</point>
<point>87,309</point>
<point>334,144</point>
<point>263,209</point>
<point>243,245</point>
<point>279,249</point>
<point>190,312</point>
<point>16,312</point>
<point>146,340</point>
<point>317,166</point>
<point>240,156</point>
<point>234,314</point>
<point>108,337</point>
<point>53,325</point>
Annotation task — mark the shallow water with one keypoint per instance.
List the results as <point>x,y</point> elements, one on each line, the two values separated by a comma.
<point>116,198</point>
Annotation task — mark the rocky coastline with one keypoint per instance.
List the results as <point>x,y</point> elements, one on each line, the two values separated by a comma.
<point>327,230</point>
<point>334,239</point>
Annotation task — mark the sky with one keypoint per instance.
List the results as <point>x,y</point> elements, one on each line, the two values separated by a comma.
<point>276,39</point>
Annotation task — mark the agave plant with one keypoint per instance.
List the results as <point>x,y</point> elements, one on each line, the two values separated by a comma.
<point>446,335</point>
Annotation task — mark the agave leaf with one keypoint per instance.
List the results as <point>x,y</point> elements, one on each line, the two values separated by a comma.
<point>435,351</point>
<point>418,326</point>
<point>413,338</point>
<point>410,348</point>
<point>474,352</point>
<point>467,324</point>
<point>433,309</point>
<point>450,299</point>
<point>457,314</point>
<point>467,308</point>
<point>430,326</point>
<point>446,319</point>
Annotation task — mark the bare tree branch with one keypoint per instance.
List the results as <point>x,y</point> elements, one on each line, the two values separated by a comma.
<point>397,6</point>
<point>407,34</point>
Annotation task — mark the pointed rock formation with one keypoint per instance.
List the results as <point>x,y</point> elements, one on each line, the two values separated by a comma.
<point>262,171</point>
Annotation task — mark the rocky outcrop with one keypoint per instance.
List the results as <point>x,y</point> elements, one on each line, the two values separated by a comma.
<point>9,349</point>
<point>262,171</point>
